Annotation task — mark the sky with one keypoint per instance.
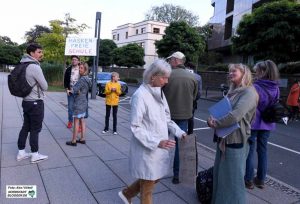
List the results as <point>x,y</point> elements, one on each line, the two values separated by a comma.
<point>19,16</point>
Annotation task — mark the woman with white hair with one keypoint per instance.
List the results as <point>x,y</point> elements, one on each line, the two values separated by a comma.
<point>150,122</point>
<point>232,151</point>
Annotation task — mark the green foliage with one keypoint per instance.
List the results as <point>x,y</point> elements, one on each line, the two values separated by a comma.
<point>53,73</point>
<point>36,32</point>
<point>218,67</point>
<point>130,80</point>
<point>130,55</point>
<point>272,31</point>
<point>105,52</point>
<point>290,68</point>
<point>169,13</point>
<point>181,37</point>
<point>53,43</point>
<point>210,58</point>
<point>10,52</point>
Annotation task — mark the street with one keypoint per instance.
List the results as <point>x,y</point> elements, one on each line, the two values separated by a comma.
<point>283,148</point>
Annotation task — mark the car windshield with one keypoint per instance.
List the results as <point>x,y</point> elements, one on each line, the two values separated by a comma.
<point>104,76</point>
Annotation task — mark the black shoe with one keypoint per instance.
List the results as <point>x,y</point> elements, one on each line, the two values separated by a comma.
<point>71,143</point>
<point>249,184</point>
<point>80,141</point>
<point>175,180</point>
<point>258,183</point>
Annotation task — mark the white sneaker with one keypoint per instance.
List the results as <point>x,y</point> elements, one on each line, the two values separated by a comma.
<point>115,133</point>
<point>104,131</point>
<point>37,157</point>
<point>22,154</point>
<point>123,198</point>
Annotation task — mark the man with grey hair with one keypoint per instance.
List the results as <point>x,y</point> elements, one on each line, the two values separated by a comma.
<point>180,93</point>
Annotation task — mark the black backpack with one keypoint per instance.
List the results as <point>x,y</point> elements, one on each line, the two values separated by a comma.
<point>204,185</point>
<point>274,112</point>
<point>17,83</point>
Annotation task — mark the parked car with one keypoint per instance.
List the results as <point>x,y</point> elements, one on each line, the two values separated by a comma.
<point>103,78</point>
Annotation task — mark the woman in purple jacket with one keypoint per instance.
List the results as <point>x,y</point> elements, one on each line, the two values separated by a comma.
<point>266,85</point>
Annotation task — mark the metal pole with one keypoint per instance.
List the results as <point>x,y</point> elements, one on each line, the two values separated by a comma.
<point>96,58</point>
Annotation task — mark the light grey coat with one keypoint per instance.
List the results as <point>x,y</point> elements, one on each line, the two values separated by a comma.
<point>35,76</point>
<point>80,90</point>
<point>150,122</point>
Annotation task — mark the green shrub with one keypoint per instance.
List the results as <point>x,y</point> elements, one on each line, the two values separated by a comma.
<point>218,67</point>
<point>290,68</point>
<point>130,80</point>
<point>53,73</point>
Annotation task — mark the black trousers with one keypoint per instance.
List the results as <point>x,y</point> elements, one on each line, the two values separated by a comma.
<point>115,111</point>
<point>33,113</point>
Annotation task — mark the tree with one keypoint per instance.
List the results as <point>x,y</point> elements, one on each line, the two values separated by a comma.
<point>106,52</point>
<point>169,13</point>
<point>130,55</point>
<point>10,52</point>
<point>53,43</point>
<point>35,33</point>
<point>181,37</point>
<point>272,31</point>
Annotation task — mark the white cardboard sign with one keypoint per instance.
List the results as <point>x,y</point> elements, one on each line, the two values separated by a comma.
<point>81,46</point>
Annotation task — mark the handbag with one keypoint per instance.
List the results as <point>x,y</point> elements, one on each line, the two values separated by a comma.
<point>204,185</point>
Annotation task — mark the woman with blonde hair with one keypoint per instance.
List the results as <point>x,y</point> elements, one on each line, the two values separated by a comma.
<point>80,106</point>
<point>232,151</point>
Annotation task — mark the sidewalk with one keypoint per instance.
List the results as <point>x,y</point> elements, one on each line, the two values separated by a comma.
<point>95,172</point>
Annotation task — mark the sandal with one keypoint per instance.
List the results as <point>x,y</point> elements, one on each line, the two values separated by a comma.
<point>71,143</point>
<point>80,141</point>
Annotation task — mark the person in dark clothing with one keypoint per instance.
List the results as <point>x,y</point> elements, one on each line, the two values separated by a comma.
<point>71,76</point>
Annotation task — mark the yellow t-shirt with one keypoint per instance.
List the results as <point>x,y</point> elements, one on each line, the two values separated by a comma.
<point>112,97</point>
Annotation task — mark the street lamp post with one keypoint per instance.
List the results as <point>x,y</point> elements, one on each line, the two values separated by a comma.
<point>96,58</point>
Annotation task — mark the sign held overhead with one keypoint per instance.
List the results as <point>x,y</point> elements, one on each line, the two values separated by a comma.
<point>81,46</point>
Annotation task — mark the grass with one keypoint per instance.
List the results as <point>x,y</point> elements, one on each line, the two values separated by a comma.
<point>56,88</point>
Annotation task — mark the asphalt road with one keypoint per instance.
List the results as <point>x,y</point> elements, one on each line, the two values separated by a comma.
<point>283,148</point>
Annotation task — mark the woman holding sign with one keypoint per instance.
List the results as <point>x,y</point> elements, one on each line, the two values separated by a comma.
<point>232,150</point>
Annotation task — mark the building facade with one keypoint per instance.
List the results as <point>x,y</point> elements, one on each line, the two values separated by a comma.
<point>144,33</point>
<point>227,15</point>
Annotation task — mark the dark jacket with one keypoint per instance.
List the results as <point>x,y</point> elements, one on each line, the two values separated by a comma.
<point>180,93</point>
<point>67,77</point>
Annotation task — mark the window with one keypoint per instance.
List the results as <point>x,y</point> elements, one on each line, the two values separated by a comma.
<point>142,44</point>
<point>230,6</point>
<point>114,37</point>
<point>155,30</point>
<point>126,35</point>
<point>137,31</point>
<point>143,30</point>
<point>228,27</point>
<point>118,37</point>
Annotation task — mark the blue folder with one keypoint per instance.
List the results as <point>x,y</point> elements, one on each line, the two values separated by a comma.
<point>220,110</point>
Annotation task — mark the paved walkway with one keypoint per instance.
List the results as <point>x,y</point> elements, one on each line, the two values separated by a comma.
<point>95,172</point>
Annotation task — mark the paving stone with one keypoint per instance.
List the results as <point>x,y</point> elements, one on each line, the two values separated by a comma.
<point>64,185</point>
<point>105,151</point>
<point>111,197</point>
<point>74,151</point>
<point>96,174</point>
<point>23,175</point>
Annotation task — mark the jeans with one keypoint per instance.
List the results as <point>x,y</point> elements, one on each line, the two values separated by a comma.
<point>183,124</point>
<point>115,111</point>
<point>70,107</point>
<point>33,113</point>
<point>261,136</point>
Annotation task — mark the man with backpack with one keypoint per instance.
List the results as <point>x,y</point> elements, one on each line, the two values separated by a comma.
<point>33,104</point>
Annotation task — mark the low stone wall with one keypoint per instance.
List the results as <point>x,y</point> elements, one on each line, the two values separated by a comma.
<point>211,80</point>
